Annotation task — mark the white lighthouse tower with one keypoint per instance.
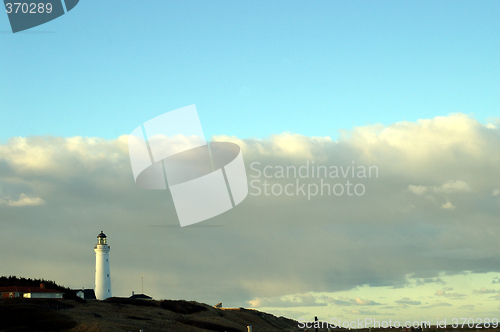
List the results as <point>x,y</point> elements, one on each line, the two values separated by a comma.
<point>102,278</point>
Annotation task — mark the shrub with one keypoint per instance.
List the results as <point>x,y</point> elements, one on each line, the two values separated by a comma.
<point>182,307</point>
<point>31,317</point>
<point>209,326</point>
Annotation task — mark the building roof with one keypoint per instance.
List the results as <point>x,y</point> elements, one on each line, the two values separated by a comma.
<point>140,297</point>
<point>101,235</point>
<point>26,289</point>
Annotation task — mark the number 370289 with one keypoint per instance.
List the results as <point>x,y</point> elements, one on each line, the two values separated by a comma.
<point>28,8</point>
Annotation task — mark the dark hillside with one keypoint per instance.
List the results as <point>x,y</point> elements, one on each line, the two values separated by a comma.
<point>124,314</point>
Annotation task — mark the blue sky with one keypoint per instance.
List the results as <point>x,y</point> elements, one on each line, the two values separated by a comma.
<point>252,68</point>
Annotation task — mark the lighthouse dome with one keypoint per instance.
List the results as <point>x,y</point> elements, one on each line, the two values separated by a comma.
<point>101,239</point>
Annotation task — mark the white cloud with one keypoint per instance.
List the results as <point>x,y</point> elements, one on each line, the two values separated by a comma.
<point>437,304</point>
<point>299,300</point>
<point>304,300</point>
<point>469,307</point>
<point>453,187</point>
<point>440,292</point>
<point>356,301</point>
<point>408,301</point>
<point>448,187</point>
<point>455,295</point>
<point>361,312</point>
<point>269,247</point>
<point>423,281</point>
<point>448,206</point>
<point>485,290</point>
<point>418,190</point>
<point>23,200</point>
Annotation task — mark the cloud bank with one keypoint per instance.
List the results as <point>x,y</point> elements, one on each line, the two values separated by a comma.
<point>432,208</point>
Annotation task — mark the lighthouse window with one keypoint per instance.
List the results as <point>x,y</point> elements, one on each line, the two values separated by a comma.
<point>108,275</point>
<point>106,259</point>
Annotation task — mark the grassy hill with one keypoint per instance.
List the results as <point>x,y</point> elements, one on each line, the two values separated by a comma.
<point>123,314</point>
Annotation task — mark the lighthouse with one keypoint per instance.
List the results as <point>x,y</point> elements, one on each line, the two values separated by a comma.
<point>102,278</point>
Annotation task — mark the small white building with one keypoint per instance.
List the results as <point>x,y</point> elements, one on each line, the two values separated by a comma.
<point>30,292</point>
<point>85,294</point>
